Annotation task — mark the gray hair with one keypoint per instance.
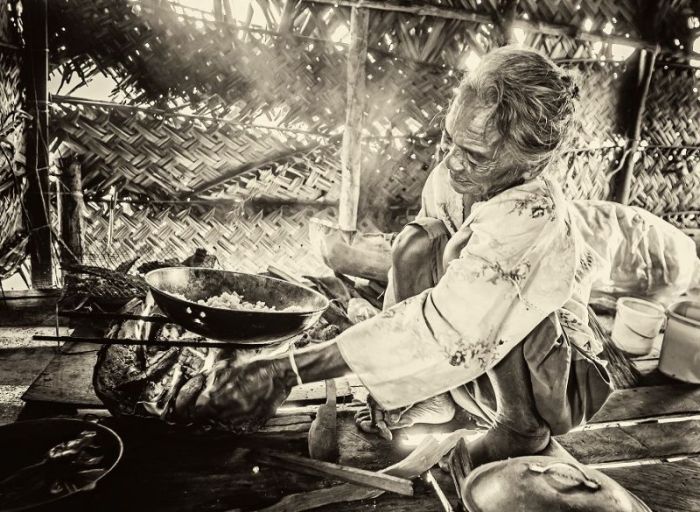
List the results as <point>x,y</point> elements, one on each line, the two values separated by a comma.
<point>532,100</point>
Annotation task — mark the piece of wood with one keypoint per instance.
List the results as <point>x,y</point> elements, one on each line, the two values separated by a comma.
<point>649,402</point>
<point>668,487</point>
<point>67,378</point>
<point>99,340</point>
<point>351,152</point>
<point>72,212</point>
<point>424,457</point>
<point>35,74</point>
<point>314,391</point>
<point>372,479</point>
<point>634,442</point>
<point>323,435</point>
<point>444,501</point>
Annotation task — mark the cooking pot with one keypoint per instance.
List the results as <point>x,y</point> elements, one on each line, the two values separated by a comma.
<point>545,484</point>
<point>177,291</point>
<point>32,454</point>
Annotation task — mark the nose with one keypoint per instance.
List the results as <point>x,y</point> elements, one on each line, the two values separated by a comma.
<point>454,161</point>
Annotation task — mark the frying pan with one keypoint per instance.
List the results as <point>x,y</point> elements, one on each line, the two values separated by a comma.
<point>25,443</point>
<point>243,326</point>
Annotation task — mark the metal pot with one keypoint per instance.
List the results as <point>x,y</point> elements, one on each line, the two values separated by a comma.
<point>545,484</point>
<point>29,444</point>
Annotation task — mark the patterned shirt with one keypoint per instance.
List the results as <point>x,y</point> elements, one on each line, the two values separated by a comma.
<point>523,262</point>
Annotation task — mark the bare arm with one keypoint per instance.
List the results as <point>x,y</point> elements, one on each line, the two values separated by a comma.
<point>315,363</point>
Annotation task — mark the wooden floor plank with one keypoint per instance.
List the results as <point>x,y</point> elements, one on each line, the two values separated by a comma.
<point>651,401</point>
<point>634,442</point>
<point>667,487</point>
<point>67,378</point>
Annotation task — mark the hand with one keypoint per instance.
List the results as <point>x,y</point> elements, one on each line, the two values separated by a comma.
<point>239,398</point>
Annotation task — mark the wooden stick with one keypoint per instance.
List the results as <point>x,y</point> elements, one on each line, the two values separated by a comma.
<point>430,479</point>
<point>113,316</point>
<point>353,475</point>
<point>351,154</point>
<point>134,342</point>
<point>424,457</point>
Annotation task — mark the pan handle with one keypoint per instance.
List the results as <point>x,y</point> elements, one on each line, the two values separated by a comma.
<point>583,480</point>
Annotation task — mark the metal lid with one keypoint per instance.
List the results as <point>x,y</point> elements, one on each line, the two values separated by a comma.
<point>533,484</point>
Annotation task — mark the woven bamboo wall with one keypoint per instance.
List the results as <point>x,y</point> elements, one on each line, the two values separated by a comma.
<point>166,59</point>
<point>12,240</point>
<point>667,174</point>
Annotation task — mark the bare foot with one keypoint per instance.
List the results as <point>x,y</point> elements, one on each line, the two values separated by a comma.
<point>501,442</point>
<point>435,410</point>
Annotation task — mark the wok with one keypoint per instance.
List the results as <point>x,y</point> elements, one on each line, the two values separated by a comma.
<point>25,444</point>
<point>244,326</point>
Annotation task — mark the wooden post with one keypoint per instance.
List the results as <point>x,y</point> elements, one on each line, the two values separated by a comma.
<point>351,155</point>
<point>218,10</point>
<point>35,75</point>
<point>504,22</point>
<point>72,212</point>
<point>623,181</point>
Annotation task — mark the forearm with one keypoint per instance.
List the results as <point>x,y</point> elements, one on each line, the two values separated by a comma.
<point>315,363</point>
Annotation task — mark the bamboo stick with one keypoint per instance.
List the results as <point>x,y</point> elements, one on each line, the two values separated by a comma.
<point>350,474</point>
<point>134,342</point>
<point>351,155</point>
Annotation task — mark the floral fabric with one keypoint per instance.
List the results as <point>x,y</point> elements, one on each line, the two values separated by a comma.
<point>523,261</point>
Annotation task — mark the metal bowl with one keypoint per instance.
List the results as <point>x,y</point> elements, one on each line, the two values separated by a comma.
<point>169,286</point>
<point>25,443</point>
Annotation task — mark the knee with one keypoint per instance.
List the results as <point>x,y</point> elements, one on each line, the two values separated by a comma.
<point>411,248</point>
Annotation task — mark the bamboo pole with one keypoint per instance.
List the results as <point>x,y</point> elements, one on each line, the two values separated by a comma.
<point>351,154</point>
<point>35,74</point>
<point>623,182</point>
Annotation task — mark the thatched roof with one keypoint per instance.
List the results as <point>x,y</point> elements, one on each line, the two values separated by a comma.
<point>265,108</point>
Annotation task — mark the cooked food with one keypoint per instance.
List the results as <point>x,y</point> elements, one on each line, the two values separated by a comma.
<point>234,300</point>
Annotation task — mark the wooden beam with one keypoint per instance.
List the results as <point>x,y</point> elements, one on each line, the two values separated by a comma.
<point>72,212</point>
<point>623,181</point>
<point>277,158</point>
<point>556,29</point>
<point>351,154</point>
<point>414,8</point>
<point>35,75</point>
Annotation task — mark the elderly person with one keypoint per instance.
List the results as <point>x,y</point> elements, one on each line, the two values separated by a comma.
<point>490,284</point>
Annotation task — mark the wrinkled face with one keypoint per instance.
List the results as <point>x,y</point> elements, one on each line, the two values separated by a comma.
<point>469,146</point>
